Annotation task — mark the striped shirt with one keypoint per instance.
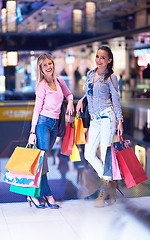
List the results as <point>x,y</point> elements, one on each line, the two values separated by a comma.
<point>105,94</point>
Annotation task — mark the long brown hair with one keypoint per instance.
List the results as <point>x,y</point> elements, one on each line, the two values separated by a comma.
<point>110,65</point>
<point>40,74</point>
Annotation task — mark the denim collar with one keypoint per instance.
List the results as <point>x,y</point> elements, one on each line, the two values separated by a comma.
<point>103,74</point>
<point>101,77</point>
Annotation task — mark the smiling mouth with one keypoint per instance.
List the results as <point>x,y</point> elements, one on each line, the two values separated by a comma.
<point>49,70</point>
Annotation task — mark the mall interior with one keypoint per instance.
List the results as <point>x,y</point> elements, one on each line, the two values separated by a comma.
<point>72,31</point>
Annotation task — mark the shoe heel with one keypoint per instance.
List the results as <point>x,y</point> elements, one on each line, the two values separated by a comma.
<point>120,191</point>
<point>44,201</point>
<point>30,201</point>
<point>54,206</point>
<point>30,204</point>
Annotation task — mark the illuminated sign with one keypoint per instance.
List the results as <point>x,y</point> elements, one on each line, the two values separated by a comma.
<point>20,113</point>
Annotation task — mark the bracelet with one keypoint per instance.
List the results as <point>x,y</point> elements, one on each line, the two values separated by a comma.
<point>32,132</point>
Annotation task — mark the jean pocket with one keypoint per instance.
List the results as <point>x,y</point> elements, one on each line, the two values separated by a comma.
<point>42,119</point>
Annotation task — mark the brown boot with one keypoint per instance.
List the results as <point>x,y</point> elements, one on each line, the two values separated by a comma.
<point>112,192</point>
<point>103,194</point>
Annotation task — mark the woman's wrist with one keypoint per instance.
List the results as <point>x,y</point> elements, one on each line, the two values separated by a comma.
<point>32,132</point>
<point>120,121</point>
<point>81,100</point>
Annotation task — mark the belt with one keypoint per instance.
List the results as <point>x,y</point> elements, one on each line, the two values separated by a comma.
<point>97,116</point>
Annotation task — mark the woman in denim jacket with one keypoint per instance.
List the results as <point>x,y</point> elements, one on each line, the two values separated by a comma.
<point>101,90</point>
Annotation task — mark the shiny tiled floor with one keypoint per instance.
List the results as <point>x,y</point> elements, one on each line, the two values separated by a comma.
<point>77,219</point>
<point>127,219</point>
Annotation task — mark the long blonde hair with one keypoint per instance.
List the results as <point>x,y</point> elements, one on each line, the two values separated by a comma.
<point>40,74</point>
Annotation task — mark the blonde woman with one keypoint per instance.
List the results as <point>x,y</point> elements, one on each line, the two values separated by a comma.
<point>50,92</point>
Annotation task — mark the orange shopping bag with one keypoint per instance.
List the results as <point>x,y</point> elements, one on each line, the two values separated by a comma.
<point>80,136</point>
<point>23,161</point>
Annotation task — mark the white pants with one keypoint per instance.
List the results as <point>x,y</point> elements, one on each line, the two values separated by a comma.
<point>101,131</point>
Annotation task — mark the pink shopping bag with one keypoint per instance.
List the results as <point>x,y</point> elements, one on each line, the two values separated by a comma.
<point>115,166</point>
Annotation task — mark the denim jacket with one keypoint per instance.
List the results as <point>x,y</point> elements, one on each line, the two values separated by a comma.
<point>105,94</point>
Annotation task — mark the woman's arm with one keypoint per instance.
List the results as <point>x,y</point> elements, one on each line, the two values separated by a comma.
<point>70,107</point>
<point>68,95</point>
<point>79,107</point>
<point>116,103</point>
<point>65,90</point>
<point>120,128</point>
<point>40,95</point>
<point>32,137</point>
<point>113,85</point>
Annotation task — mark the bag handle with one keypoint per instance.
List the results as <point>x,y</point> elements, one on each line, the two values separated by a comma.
<point>33,146</point>
<point>120,138</point>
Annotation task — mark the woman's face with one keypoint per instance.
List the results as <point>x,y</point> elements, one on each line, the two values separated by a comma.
<point>47,67</point>
<point>102,59</point>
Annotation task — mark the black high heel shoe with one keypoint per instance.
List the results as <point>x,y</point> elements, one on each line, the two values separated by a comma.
<point>30,201</point>
<point>53,206</point>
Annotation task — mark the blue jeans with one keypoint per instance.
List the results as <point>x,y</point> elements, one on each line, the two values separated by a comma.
<point>101,132</point>
<point>46,132</point>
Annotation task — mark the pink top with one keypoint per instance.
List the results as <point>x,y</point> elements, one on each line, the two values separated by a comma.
<point>48,102</point>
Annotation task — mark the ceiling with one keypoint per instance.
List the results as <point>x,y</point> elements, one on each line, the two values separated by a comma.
<point>56,16</point>
<point>48,24</point>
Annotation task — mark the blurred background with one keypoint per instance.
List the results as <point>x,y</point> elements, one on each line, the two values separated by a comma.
<point>72,32</point>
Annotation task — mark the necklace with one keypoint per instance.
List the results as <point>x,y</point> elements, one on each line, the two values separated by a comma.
<point>52,85</point>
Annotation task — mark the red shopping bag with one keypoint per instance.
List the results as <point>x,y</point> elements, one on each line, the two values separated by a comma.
<point>80,136</point>
<point>130,167</point>
<point>68,139</point>
<point>116,147</point>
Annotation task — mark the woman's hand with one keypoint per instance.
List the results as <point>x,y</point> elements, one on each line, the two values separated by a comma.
<point>70,107</point>
<point>79,107</point>
<point>120,128</point>
<point>32,138</point>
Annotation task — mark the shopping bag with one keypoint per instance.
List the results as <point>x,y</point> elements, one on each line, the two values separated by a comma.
<point>61,121</point>
<point>115,147</point>
<point>116,175</point>
<point>26,180</point>
<point>75,156</point>
<point>130,167</point>
<point>85,114</point>
<point>67,142</point>
<point>80,136</point>
<point>23,161</point>
<point>28,191</point>
<point>108,163</point>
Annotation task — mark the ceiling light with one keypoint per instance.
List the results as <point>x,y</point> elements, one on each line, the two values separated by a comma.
<point>90,10</point>
<point>77,20</point>
<point>9,59</point>
<point>11,15</point>
<point>4,20</point>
